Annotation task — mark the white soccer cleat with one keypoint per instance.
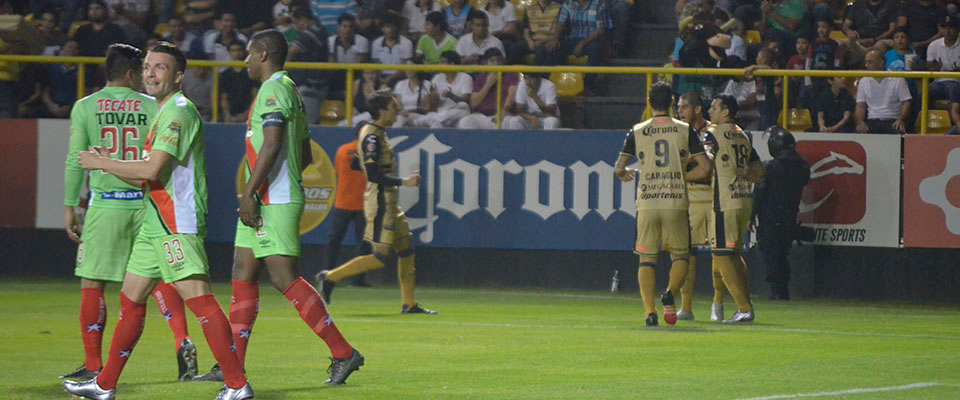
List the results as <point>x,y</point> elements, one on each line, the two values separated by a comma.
<point>89,389</point>
<point>716,312</point>
<point>246,392</point>
<point>741,317</point>
<point>684,315</point>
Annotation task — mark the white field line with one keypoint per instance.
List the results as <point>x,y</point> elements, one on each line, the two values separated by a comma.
<point>911,386</point>
<point>718,328</point>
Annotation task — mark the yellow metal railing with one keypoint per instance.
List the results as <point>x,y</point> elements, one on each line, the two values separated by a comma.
<point>648,72</point>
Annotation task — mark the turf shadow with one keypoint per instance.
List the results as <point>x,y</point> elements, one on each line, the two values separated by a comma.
<point>278,394</point>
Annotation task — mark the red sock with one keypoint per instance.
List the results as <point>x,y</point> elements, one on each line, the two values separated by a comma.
<point>93,317</point>
<point>125,337</point>
<point>244,306</point>
<point>216,329</point>
<point>171,307</point>
<point>312,310</point>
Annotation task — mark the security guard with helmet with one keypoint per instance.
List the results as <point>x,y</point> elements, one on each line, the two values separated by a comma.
<point>776,199</point>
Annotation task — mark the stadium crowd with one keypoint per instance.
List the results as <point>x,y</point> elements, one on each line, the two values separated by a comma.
<point>794,34</point>
<point>544,32</point>
<point>893,35</point>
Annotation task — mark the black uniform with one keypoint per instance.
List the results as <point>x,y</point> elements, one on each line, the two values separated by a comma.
<point>776,199</point>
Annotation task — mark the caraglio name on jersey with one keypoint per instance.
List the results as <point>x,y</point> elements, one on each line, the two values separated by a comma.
<point>461,198</point>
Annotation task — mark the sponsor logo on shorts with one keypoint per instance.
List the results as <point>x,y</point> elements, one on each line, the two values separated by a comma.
<point>122,195</point>
<point>837,190</point>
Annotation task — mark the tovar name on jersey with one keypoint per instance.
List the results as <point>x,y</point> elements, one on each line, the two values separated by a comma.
<point>120,112</point>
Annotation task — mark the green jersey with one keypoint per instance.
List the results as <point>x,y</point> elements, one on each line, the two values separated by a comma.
<point>278,104</point>
<point>117,119</point>
<point>178,197</point>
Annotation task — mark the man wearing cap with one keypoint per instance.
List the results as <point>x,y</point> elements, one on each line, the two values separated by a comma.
<point>944,55</point>
<point>483,100</point>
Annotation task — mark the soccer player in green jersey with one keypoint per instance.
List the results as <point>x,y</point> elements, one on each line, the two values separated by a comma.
<point>271,204</point>
<point>169,245</point>
<point>116,118</point>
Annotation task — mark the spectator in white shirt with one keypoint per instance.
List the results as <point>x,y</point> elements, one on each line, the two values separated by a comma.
<point>504,26</point>
<point>472,45</point>
<point>282,15</point>
<point>944,55</point>
<point>391,48</point>
<point>216,42</point>
<point>536,104</point>
<point>745,91</point>
<point>416,96</point>
<point>453,89</point>
<point>882,104</point>
<point>132,16</point>
<point>415,12</point>
<point>346,46</point>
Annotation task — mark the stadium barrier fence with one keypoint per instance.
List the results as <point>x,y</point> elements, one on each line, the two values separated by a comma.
<point>648,72</point>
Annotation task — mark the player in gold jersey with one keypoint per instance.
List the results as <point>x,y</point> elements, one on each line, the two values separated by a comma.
<point>664,148</point>
<point>736,167</point>
<point>386,228</point>
<point>690,110</point>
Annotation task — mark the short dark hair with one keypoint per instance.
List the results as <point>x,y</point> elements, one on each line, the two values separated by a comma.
<point>221,13</point>
<point>693,98</point>
<point>176,17</point>
<point>730,103</point>
<point>379,101</point>
<point>451,56</point>
<point>346,17</point>
<point>436,19</point>
<point>303,12</point>
<point>390,19</point>
<point>900,29</point>
<point>477,14</point>
<point>493,51</point>
<point>274,43</point>
<point>122,58</point>
<point>173,51</point>
<point>661,96</point>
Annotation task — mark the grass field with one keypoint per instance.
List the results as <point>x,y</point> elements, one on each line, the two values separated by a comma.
<point>515,344</point>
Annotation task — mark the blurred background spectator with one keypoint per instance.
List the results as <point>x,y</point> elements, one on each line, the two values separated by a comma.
<point>197,85</point>
<point>435,40</point>
<point>867,24</point>
<point>310,45</point>
<point>834,107</point>
<point>178,34</point>
<point>944,55</point>
<point>535,104</point>
<point>391,48</point>
<point>237,90</point>
<point>472,45</point>
<point>457,14</point>
<point>415,13</point>
<point>453,91</point>
<point>883,105</point>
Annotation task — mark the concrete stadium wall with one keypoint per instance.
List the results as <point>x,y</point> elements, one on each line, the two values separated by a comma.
<point>930,275</point>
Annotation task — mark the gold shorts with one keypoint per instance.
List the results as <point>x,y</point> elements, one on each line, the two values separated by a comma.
<point>727,229</point>
<point>700,214</point>
<point>385,224</point>
<point>666,229</point>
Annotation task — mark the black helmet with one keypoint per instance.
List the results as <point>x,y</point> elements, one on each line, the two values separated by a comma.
<point>779,140</point>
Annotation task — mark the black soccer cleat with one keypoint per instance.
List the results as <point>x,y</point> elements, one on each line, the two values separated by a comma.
<point>341,368</point>
<point>416,309</point>
<point>651,320</point>
<point>669,308</point>
<point>187,360</point>
<point>215,375</point>
<point>324,286</point>
<point>81,374</point>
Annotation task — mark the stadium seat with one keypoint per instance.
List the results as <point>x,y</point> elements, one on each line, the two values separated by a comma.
<point>839,36</point>
<point>332,112</point>
<point>668,78</point>
<point>938,122</point>
<point>569,85</point>
<point>521,6</point>
<point>582,60</point>
<point>753,36</point>
<point>76,25</point>
<point>529,59</point>
<point>161,29</point>
<point>799,120</point>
